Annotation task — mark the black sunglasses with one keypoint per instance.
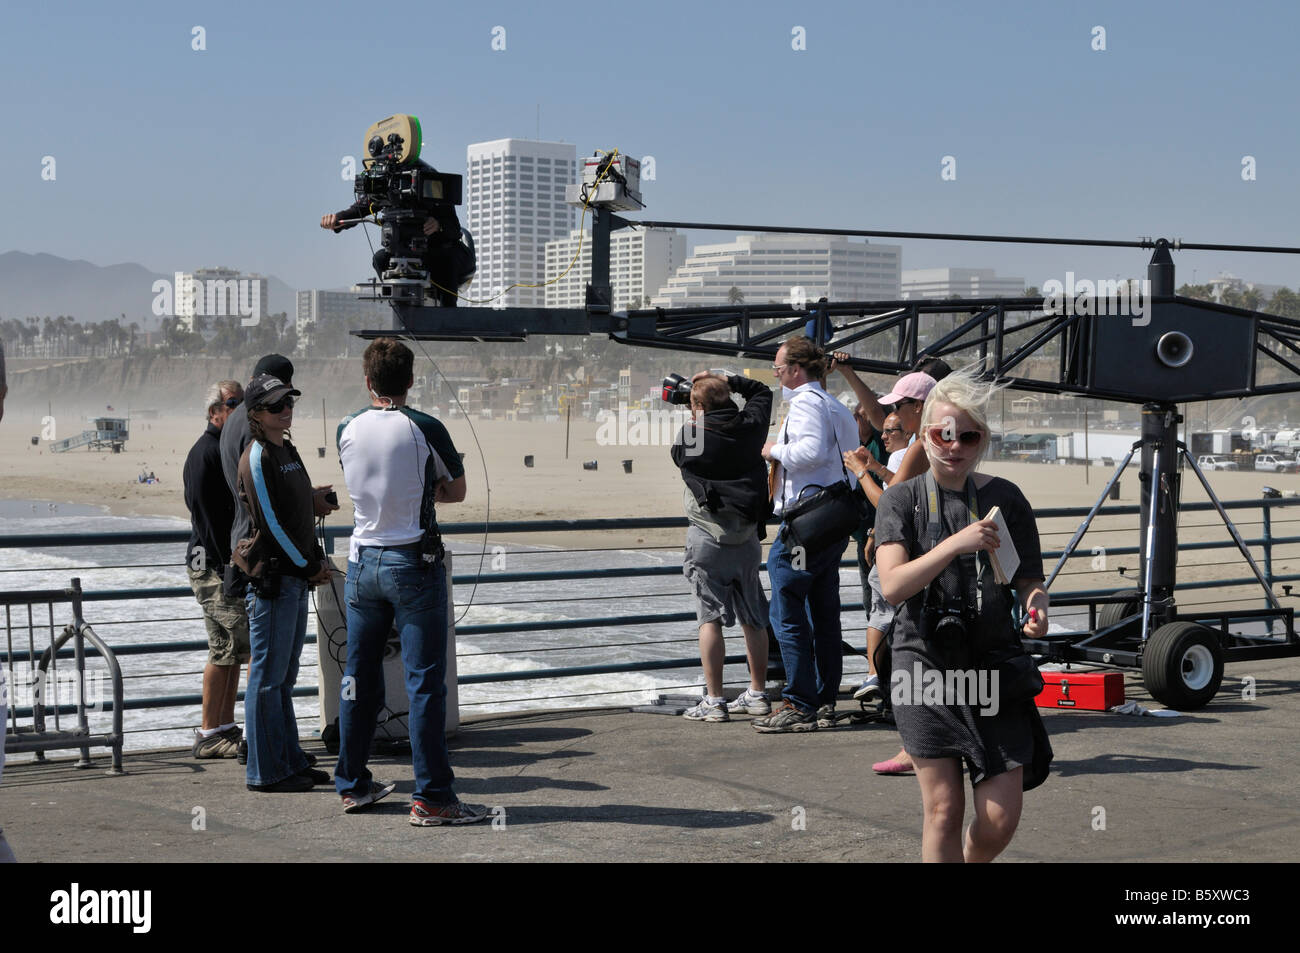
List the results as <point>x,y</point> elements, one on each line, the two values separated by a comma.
<point>233,402</point>
<point>279,405</point>
<point>892,430</point>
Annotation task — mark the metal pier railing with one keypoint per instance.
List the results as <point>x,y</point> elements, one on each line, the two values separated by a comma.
<point>628,610</point>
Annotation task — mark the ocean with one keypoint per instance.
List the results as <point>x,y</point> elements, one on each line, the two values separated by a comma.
<point>114,568</point>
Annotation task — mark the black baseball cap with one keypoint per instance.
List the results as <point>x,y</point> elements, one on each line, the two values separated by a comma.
<point>267,389</point>
<point>277,365</point>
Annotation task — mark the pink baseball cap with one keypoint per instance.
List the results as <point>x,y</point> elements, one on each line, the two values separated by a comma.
<point>916,385</point>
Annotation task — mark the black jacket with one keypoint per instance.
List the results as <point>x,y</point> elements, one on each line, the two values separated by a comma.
<point>211,506</point>
<point>721,454</point>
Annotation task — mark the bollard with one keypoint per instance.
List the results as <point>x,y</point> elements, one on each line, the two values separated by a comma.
<point>528,460</point>
<point>1114,490</point>
<point>627,466</point>
<point>320,452</point>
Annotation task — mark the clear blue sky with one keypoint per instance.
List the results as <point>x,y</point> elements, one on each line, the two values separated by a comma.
<point>179,159</point>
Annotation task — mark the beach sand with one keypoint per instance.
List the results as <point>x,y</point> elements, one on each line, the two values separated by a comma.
<point>559,488</point>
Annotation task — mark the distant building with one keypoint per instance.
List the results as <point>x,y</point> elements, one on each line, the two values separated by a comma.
<point>640,262</point>
<point>1226,283</point>
<point>960,283</point>
<point>345,306</point>
<point>767,268</point>
<point>218,292</point>
<point>514,199</point>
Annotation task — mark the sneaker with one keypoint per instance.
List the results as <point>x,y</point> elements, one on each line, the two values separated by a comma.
<point>293,783</point>
<point>788,718</point>
<point>826,716</point>
<point>707,711</point>
<point>436,815</point>
<point>377,792</point>
<point>243,751</point>
<point>869,690</point>
<point>751,702</point>
<point>219,745</point>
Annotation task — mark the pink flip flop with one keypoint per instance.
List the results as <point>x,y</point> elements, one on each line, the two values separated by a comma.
<point>892,767</point>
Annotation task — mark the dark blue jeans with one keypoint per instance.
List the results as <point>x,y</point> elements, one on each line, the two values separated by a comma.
<point>806,620</point>
<point>276,629</point>
<point>390,588</point>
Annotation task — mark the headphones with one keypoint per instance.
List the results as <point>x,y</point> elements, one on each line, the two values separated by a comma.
<point>379,397</point>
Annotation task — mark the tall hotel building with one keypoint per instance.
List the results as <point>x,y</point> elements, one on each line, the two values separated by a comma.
<point>769,268</point>
<point>514,199</point>
<point>641,260</point>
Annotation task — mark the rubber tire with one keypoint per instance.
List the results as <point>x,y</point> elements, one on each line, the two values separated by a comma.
<point>1169,652</point>
<point>1112,612</point>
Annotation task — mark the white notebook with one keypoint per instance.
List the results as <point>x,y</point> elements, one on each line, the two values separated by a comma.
<point>1004,560</point>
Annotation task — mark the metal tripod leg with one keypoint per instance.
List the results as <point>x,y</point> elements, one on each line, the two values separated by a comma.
<point>1232,529</point>
<point>1083,527</point>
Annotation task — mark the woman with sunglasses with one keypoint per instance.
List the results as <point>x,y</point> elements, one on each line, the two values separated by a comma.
<point>930,534</point>
<point>277,494</point>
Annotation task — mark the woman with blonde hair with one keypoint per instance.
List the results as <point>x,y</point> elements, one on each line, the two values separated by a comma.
<point>954,623</point>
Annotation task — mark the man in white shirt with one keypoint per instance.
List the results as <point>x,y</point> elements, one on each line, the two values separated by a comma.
<point>806,454</point>
<point>397,463</point>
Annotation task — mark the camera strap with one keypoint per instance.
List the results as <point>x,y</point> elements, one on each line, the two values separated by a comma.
<point>935,531</point>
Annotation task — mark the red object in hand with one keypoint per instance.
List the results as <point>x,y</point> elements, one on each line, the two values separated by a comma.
<point>1033,615</point>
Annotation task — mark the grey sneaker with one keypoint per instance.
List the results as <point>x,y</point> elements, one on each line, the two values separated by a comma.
<point>436,815</point>
<point>826,716</point>
<point>221,745</point>
<point>750,702</point>
<point>706,711</point>
<point>789,718</point>
<point>378,791</point>
<point>869,690</point>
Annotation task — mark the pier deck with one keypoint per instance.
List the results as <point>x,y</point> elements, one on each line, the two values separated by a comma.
<point>1219,785</point>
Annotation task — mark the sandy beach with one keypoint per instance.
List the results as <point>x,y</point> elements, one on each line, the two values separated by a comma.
<point>559,488</point>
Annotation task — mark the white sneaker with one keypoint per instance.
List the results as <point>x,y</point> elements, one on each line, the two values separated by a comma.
<point>707,711</point>
<point>751,702</point>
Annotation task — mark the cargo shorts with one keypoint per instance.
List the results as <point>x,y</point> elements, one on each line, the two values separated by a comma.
<point>226,619</point>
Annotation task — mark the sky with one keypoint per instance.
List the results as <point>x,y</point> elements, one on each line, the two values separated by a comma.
<point>179,158</point>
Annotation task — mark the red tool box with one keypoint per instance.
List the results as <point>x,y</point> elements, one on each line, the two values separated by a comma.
<point>1091,691</point>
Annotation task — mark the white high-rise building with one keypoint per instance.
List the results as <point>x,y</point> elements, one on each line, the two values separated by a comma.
<point>960,283</point>
<point>640,263</point>
<point>785,268</point>
<point>514,200</point>
<point>219,292</point>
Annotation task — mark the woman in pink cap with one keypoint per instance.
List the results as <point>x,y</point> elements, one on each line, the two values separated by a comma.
<point>907,398</point>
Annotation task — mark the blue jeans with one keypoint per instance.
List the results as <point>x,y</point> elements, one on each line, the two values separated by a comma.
<point>805,617</point>
<point>386,589</point>
<point>276,629</point>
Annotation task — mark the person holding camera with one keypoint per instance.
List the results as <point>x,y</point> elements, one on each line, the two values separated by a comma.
<point>954,628</point>
<point>398,463</point>
<point>720,454</point>
<point>282,560</point>
<point>805,614</point>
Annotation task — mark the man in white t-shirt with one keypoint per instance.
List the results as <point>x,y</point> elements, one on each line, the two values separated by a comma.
<point>398,464</point>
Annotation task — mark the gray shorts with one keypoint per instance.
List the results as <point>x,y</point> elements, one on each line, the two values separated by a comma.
<point>226,618</point>
<point>881,615</point>
<point>724,579</point>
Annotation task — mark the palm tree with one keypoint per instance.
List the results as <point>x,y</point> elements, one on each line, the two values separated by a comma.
<point>735,296</point>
